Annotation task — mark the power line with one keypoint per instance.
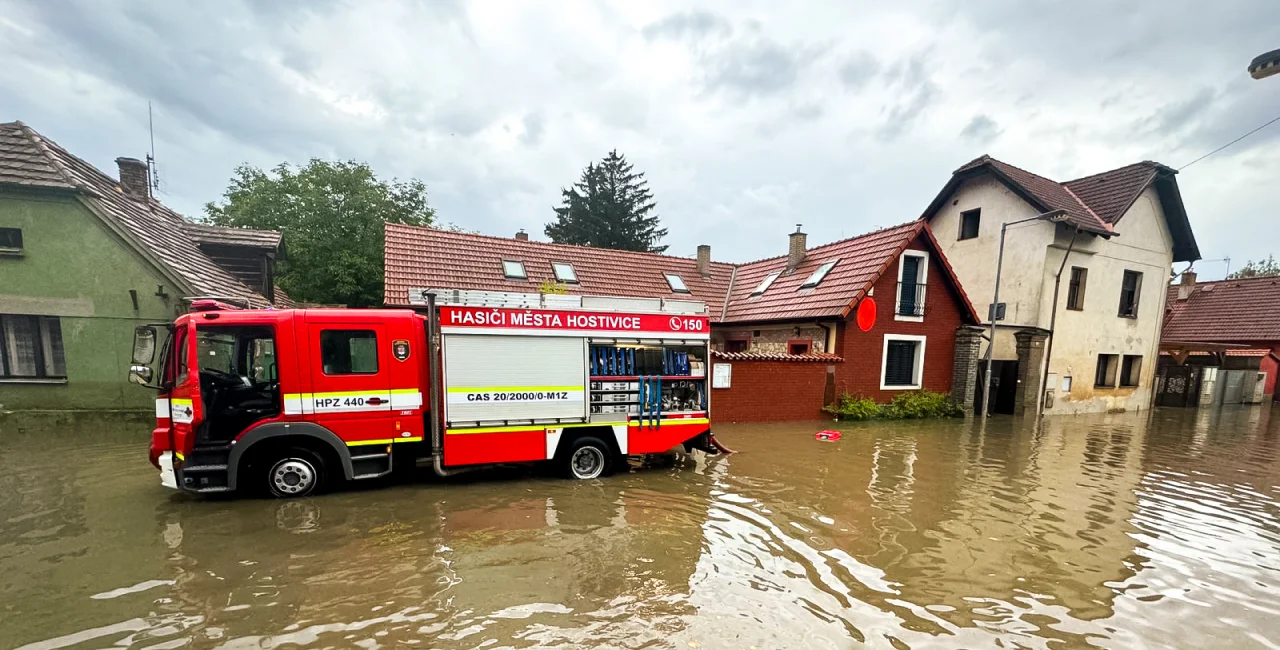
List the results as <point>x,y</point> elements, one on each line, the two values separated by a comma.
<point>1273,121</point>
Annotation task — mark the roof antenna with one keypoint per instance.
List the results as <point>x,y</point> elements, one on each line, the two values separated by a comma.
<point>151,157</point>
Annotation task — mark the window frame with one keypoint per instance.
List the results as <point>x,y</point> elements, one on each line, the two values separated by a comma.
<point>765,284</point>
<point>744,340</point>
<point>11,250</point>
<point>1076,290</point>
<point>1123,377</point>
<point>922,281</point>
<point>819,274</point>
<point>977,213</point>
<point>807,343</point>
<point>682,288</point>
<point>573,273</point>
<point>377,364</point>
<point>44,353</point>
<point>917,372</point>
<point>1137,294</point>
<point>506,272</point>
<point>1108,373</point>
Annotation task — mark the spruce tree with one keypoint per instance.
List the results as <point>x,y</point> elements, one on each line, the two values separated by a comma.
<point>609,207</point>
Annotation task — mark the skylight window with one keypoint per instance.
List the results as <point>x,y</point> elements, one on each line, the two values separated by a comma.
<point>564,272</point>
<point>677,284</point>
<point>766,283</point>
<point>817,275</point>
<point>513,269</point>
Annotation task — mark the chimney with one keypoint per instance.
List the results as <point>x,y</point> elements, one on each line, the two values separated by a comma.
<point>704,260</point>
<point>1187,285</point>
<point>795,248</point>
<point>134,178</point>
<point>521,235</point>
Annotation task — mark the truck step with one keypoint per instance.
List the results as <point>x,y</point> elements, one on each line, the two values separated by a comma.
<point>368,456</point>
<point>358,477</point>
<point>212,489</point>
<point>204,468</point>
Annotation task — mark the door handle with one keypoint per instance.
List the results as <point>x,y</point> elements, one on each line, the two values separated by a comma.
<point>374,401</point>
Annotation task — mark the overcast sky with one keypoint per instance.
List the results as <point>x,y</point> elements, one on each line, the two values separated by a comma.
<point>747,117</point>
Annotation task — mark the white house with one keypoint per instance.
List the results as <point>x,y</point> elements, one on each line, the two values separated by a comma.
<point>1086,290</point>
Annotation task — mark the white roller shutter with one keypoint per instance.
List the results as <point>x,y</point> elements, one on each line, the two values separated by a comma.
<point>508,378</point>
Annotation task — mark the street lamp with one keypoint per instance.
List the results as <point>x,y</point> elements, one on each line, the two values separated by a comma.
<point>1052,216</point>
<point>1265,65</point>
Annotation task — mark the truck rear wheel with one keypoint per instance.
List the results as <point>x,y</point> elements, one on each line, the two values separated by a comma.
<point>297,472</point>
<point>587,458</point>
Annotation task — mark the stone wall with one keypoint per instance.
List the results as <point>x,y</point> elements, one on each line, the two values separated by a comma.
<point>770,339</point>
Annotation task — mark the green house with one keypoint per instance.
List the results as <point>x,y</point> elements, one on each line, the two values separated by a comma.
<point>84,258</point>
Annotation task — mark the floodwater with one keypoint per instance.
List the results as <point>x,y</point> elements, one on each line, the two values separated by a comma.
<point>1119,531</point>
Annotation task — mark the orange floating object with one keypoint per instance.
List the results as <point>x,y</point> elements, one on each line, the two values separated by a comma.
<point>827,435</point>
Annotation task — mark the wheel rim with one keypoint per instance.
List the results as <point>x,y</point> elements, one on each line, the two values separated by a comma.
<point>586,462</point>
<point>292,477</point>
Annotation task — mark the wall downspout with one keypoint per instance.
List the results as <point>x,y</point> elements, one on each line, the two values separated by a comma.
<point>1053,320</point>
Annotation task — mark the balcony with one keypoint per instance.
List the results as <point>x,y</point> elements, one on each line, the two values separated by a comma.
<point>910,299</point>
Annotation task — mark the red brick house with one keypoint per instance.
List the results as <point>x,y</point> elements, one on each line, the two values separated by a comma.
<point>1230,325</point>
<point>787,327</point>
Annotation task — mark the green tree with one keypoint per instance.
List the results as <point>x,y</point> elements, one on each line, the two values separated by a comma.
<point>609,207</point>
<point>332,216</point>
<point>1259,268</point>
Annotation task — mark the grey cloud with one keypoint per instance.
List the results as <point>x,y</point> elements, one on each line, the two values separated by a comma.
<point>915,92</point>
<point>981,129</point>
<point>534,127</point>
<point>690,25</point>
<point>1179,115</point>
<point>755,68</point>
<point>858,70</point>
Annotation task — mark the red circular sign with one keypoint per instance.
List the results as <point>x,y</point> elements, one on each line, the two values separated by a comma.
<point>866,314</point>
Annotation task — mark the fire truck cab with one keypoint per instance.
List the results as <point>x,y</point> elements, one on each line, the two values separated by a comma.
<point>289,401</point>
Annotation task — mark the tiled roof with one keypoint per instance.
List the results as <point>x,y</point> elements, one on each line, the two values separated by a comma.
<point>158,231</point>
<point>765,356</point>
<point>429,258</point>
<point>247,237</point>
<point>1226,311</point>
<point>1051,194</point>
<point>1111,193</point>
<point>419,257</point>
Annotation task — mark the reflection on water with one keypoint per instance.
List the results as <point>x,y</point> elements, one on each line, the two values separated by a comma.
<point>1155,530</point>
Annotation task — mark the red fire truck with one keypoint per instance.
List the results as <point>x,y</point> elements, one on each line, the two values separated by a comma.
<point>288,401</point>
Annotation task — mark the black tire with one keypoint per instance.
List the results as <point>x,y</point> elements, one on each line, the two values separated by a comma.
<point>294,473</point>
<point>586,458</point>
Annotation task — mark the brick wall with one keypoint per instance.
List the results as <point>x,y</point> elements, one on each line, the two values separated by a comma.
<point>862,351</point>
<point>771,391</point>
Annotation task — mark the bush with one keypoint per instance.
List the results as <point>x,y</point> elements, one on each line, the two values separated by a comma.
<point>915,404</point>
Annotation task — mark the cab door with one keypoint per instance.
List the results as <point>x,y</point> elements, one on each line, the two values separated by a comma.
<point>350,366</point>
<point>186,412</point>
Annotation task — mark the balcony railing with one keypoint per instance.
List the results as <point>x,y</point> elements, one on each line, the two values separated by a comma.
<point>910,299</point>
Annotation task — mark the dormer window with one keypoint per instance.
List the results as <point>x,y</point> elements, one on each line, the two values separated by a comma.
<point>913,275</point>
<point>816,277</point>
<point>676,283</point>
<point>513,270</point>
<point>766,283</point>
<point>564,272</point>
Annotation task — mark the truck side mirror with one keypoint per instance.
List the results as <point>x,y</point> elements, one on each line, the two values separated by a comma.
<point>144,345</point>
<point>140,375</point>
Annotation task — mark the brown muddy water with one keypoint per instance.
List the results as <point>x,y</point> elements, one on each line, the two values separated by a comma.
<point>1124,531</point>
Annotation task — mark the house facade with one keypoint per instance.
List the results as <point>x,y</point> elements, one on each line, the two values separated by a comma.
<point>85,258</point>
<point>1082,292</point>
<point>873,316</point>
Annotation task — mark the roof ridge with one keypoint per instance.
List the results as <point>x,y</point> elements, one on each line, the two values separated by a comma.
<point>1250,278</point>
<point>838,241</point>
<point>1025,171</point>
<point>1140,163</point>
<point>1105,225</point>
<point>40,144</point>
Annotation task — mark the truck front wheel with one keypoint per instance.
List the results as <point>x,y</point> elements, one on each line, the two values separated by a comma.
<point>296,473</point>
<point>586,458</point>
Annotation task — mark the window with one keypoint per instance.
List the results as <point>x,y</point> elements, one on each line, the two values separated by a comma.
<point>1075,290</point>
<point>1105,377</point>
<point>969,222</point>
<point>913,268</point>
<point>349,352</point>
<point>1130,292</point>
<point>31,347</point>
<point>10,239</point>
<point>564,272</point>
<point>799,347</point>
<point>816,276</point>
<point>903,362</point>
<point>995,312</point>
<point>676,283</point>
<point>736,345</point>
<point>513,269</point>
<point>1130,370</point>
<point>766,283</point>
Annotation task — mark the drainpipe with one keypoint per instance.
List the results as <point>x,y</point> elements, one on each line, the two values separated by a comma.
<point>829,343</point>
<point>1053,320</point>
<point>433,387</point>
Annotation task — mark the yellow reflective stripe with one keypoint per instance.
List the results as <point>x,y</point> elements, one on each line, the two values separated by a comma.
<point>357,443</point>
<point>405,391</point>
<point>354,393</point>
<point>480,389</point>
<point>532,427</point>
<point>648,423</point>
<point>179,456</point>
<point>180,402</point>
<point>412,439</point>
